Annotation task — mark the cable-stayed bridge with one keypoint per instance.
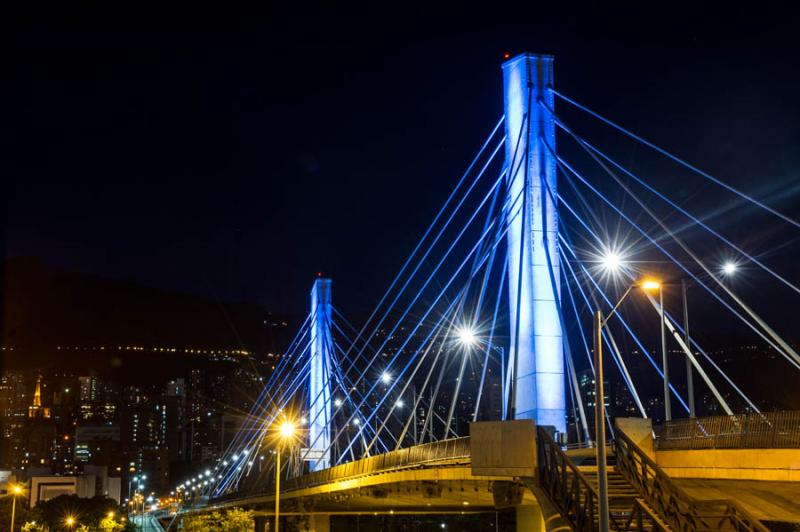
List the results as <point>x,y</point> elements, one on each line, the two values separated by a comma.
<point>490,320</point>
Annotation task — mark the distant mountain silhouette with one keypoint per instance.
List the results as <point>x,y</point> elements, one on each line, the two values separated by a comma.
<point>44,308</point>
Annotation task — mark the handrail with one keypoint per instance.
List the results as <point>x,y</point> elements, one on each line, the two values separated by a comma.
<point>577,499</point>
<point>642,513</point>
<point>565,484</point>
<point>767,430</point>
<point>673,504</point>
<point>415,456</point>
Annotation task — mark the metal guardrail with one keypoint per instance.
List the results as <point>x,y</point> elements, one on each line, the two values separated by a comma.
<point>771,430</point>
<point>416,456</point>
<point>565,485</point>
<point>679,510</point>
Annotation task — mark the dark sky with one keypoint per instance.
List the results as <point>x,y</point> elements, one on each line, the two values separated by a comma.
<point>235,153</point>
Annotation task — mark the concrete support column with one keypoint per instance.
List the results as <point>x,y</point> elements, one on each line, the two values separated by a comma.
<point>262,523</point>
<point>530,518</point>
<point>319,523</point>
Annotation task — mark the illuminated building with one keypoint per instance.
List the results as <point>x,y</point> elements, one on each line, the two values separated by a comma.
<point>36,410</point>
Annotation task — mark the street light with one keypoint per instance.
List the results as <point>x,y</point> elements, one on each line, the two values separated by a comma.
<point>467,336</point>
<point>657,285</point>
<point>286,432</point>
<point>729,268</point>
<point>69,521</point>
<point>599,398</point>
<point>611,261</point>
<point>16,490</point>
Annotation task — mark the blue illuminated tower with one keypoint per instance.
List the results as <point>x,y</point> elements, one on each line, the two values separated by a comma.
<point>319,388</point>
<point>533,265</point>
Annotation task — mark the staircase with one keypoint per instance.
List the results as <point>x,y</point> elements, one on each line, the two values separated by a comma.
<point>641,496</point>
<point>625,503</point>
<point>572,489</point>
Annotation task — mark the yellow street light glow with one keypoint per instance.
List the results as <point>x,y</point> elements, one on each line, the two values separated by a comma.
<point>651,284</point>
<point>17,490</point>
<point>287,429</point>
<point>70,521</point>
<point>110,515</point>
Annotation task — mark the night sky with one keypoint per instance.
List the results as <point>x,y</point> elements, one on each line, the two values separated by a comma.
<point>235,153</point>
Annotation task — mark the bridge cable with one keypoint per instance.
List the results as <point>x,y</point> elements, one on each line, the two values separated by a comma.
<point>788,349</point>
<point>425,315</point>
<point>674,260</point>
<point>679,160</point>
<point>693,218</point>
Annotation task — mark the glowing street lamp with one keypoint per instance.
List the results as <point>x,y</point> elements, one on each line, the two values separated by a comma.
<point>649,285</point>
<point>386,377</point>
<point>286,432</point>
<point>15,490</point>
<point>69,521</point>
<point>467,336</point>
<point>611,262</point>
<point>729,268</point>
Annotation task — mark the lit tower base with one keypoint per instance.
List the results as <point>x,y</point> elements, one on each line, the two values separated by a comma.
<point>319,379</point>
<point>536,336</point>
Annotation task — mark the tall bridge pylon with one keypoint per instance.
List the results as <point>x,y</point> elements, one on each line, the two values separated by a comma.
<point>536,343</point>
<point>319,381</point>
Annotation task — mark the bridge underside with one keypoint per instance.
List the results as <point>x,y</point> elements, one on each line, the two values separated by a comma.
<point>442,489</point>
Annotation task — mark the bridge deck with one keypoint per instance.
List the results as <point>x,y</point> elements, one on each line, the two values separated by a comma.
<point>768,500</point>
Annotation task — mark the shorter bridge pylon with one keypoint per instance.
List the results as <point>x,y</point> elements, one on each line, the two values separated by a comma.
<point>319,379</point>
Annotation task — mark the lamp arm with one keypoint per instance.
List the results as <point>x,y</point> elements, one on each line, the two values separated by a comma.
<point>613,310</point>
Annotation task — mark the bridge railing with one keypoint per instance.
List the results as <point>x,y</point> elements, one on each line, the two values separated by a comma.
<point>418,455</point>
<point>679,510</point>
<point>565,484</point>
<point>770,430</point>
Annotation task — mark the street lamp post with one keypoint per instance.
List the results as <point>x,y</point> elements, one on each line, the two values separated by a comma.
<point>598,323</point>
<point>286,433</point>
<point>667,399</point>
<point>599,420</point>
<point>687,338</point>
<point>16,490</point>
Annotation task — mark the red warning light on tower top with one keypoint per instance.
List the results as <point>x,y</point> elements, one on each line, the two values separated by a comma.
<point>319,274</point>
<point>506,55</point>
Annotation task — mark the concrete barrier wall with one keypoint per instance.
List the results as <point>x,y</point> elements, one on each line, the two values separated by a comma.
<point>745,464</point>
<point>742,464</point>
<point>503,448</point>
